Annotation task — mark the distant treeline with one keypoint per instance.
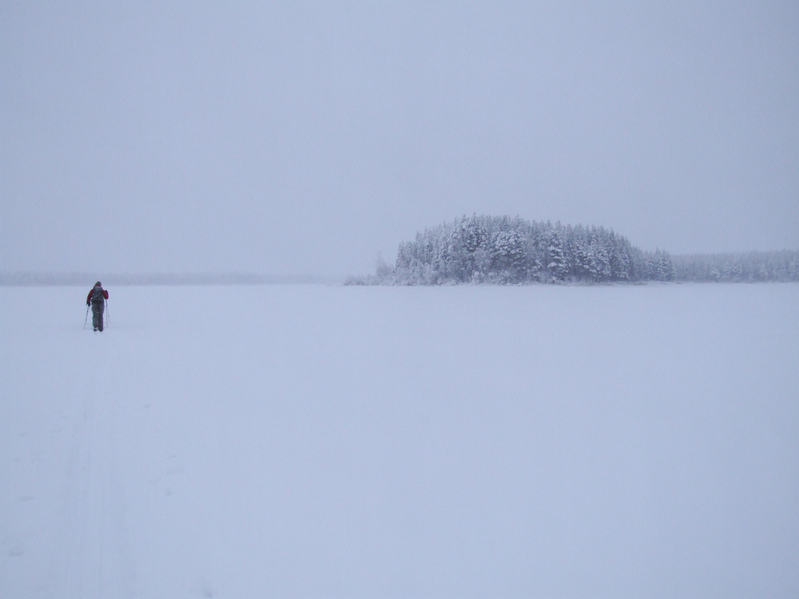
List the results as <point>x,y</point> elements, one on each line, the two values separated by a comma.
<point>24,279</point>
<point>750,267</point>
<point>505,250</point>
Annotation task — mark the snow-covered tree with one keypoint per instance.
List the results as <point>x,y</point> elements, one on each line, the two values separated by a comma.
<point>558,264</point>
<point>490,249</point>
<point>508,256</point>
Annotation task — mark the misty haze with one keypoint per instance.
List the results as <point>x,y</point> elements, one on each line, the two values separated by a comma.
<point>563,364</point>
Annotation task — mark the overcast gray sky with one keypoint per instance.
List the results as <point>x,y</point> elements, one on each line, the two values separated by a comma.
<point>307,136</point>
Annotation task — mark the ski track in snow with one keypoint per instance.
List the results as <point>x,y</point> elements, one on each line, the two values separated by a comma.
<point>313,441</point>
<point>95,559</point>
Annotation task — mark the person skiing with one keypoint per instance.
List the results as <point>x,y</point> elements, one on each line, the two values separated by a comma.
<point>96,299</point>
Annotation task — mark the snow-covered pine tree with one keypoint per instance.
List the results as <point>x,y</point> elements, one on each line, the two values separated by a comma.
<point>582,255</point>
<point>509,256</point>
<point>557,265</point>
<point>601,258</point>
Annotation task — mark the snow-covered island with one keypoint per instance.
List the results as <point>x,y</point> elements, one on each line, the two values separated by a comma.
<point>504,250</point>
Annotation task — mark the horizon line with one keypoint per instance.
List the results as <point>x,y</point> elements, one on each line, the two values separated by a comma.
<point>45,278</point>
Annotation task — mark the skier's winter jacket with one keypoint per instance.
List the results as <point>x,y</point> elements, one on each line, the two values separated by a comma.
<point>96,294</point>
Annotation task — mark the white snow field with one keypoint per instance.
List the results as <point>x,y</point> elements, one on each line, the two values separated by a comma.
<point>376,442</point>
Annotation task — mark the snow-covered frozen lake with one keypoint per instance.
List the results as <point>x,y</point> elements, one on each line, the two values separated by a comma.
<point>322,441</point>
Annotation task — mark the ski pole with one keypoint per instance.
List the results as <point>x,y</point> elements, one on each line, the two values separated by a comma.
<point>107,313</point>
<point>85,320</point>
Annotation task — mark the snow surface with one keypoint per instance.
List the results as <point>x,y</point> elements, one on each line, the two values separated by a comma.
<point>319,441</point>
